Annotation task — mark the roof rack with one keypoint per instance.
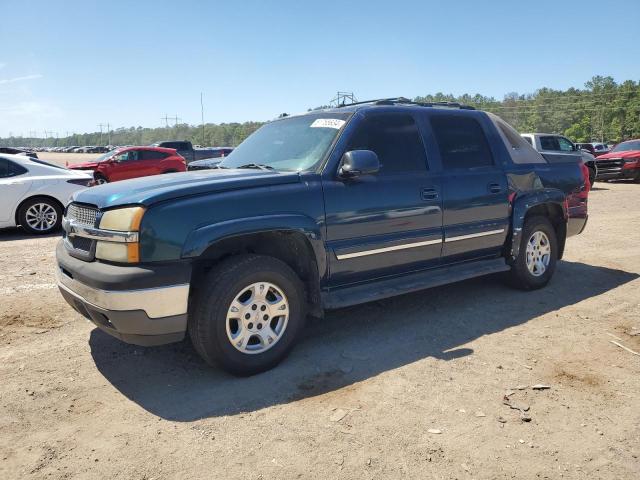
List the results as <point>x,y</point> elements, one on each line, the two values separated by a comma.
<point>406,101</point>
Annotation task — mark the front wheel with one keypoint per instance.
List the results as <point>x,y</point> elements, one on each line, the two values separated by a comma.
<point>537,258</point>
<point>248,314</point>
<point>100,180</point>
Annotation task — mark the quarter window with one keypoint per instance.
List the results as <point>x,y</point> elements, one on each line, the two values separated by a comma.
<point>395,139</point>
<point>461,142</point>
<point>10,169</point>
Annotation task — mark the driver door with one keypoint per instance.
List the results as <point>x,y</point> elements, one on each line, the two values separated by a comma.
<point>389,222</point>
<point>127,165</point>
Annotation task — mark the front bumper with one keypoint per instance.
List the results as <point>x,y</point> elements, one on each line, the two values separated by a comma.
<point>152,313</point>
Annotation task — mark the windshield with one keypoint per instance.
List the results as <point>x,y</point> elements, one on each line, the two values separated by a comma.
<point>106,156</point>
<point>290,144</point>
<point>627,146</point>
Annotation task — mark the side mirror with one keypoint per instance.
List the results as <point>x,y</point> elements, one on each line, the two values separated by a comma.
<point>359,162</point>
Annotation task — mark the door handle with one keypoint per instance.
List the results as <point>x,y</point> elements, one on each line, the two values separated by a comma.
<point>429,194</point>
<point>495,188</point>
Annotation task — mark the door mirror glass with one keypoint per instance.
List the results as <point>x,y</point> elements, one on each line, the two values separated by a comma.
<point>359,162</point>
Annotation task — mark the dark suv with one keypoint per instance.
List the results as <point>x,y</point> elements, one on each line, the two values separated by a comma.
<point>313,212</point>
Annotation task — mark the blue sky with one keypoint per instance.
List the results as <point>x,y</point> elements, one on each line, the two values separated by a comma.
<point>68,66</point>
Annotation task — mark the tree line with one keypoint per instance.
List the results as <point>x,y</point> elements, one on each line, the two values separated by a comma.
<point>602,111</point>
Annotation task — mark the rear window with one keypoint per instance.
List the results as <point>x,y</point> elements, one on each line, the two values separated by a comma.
<point>461,142</point>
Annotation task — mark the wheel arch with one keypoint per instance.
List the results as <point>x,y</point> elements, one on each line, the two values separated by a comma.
<point>289,238</point>
<point>549,203</point>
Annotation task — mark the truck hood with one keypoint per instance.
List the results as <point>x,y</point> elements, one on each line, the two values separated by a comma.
<point>149,190</point>
<point>616,155</point>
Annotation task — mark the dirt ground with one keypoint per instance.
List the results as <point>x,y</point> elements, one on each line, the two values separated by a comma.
<point>411,387</point>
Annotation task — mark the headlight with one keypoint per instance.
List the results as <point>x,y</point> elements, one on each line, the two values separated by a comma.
<point>121,220</point>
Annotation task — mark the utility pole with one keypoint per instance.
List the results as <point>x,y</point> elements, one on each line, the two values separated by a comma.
<point>101,125</point>
<point>166,120</point>
<point>176,120</point>
<point>202,117</point>
<point>109,133</point>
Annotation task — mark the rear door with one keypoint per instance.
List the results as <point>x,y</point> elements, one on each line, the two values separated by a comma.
<point>151,162</point>
<point>474,186</point>
<point>389,222</point>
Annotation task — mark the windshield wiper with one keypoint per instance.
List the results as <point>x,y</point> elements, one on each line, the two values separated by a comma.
<point>259,166</point>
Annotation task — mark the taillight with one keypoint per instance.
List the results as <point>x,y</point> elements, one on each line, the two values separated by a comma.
<point>587,184</point>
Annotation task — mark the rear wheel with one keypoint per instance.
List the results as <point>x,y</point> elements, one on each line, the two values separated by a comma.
<point>248,314</point>
<point>592,176</point>
<point>40,215</point>
<point>536,261</point>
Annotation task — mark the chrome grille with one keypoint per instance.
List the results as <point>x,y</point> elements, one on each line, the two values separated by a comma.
<point>83,215</point>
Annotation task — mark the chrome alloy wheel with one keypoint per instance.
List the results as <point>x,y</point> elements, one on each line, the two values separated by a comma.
<point>41,217</point>
<point>257,318</point>
<point>101,181</point>
<point>538,253</point>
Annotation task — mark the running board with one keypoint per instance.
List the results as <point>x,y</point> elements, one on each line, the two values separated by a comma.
<point>389,287</point>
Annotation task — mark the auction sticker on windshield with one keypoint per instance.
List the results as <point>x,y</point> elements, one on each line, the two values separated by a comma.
<point>328,123</point>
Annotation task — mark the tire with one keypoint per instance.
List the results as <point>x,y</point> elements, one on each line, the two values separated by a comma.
<point>212,323</point>
<point>40,215</point>
<point>101,179</point>
<point>592,176</point>
<point>522,276</point>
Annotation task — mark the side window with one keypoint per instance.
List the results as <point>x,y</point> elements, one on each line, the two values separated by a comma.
<point>10,169</point>
<point>529,141</point>
<point>565,145</point>
<point>151,155</point>
<point>122,157</point>
<point>461,142</point>
<point>549,143</point>
<point>395,139</point>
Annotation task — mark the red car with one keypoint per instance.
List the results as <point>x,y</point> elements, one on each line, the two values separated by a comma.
<point>623,161</point>
<point>133,162</point>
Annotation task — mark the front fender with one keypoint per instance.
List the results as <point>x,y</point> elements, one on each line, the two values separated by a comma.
<point>523,203</point>
<point>203,237</point>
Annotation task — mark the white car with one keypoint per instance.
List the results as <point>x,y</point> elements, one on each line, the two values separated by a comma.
<point>33,193</point>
